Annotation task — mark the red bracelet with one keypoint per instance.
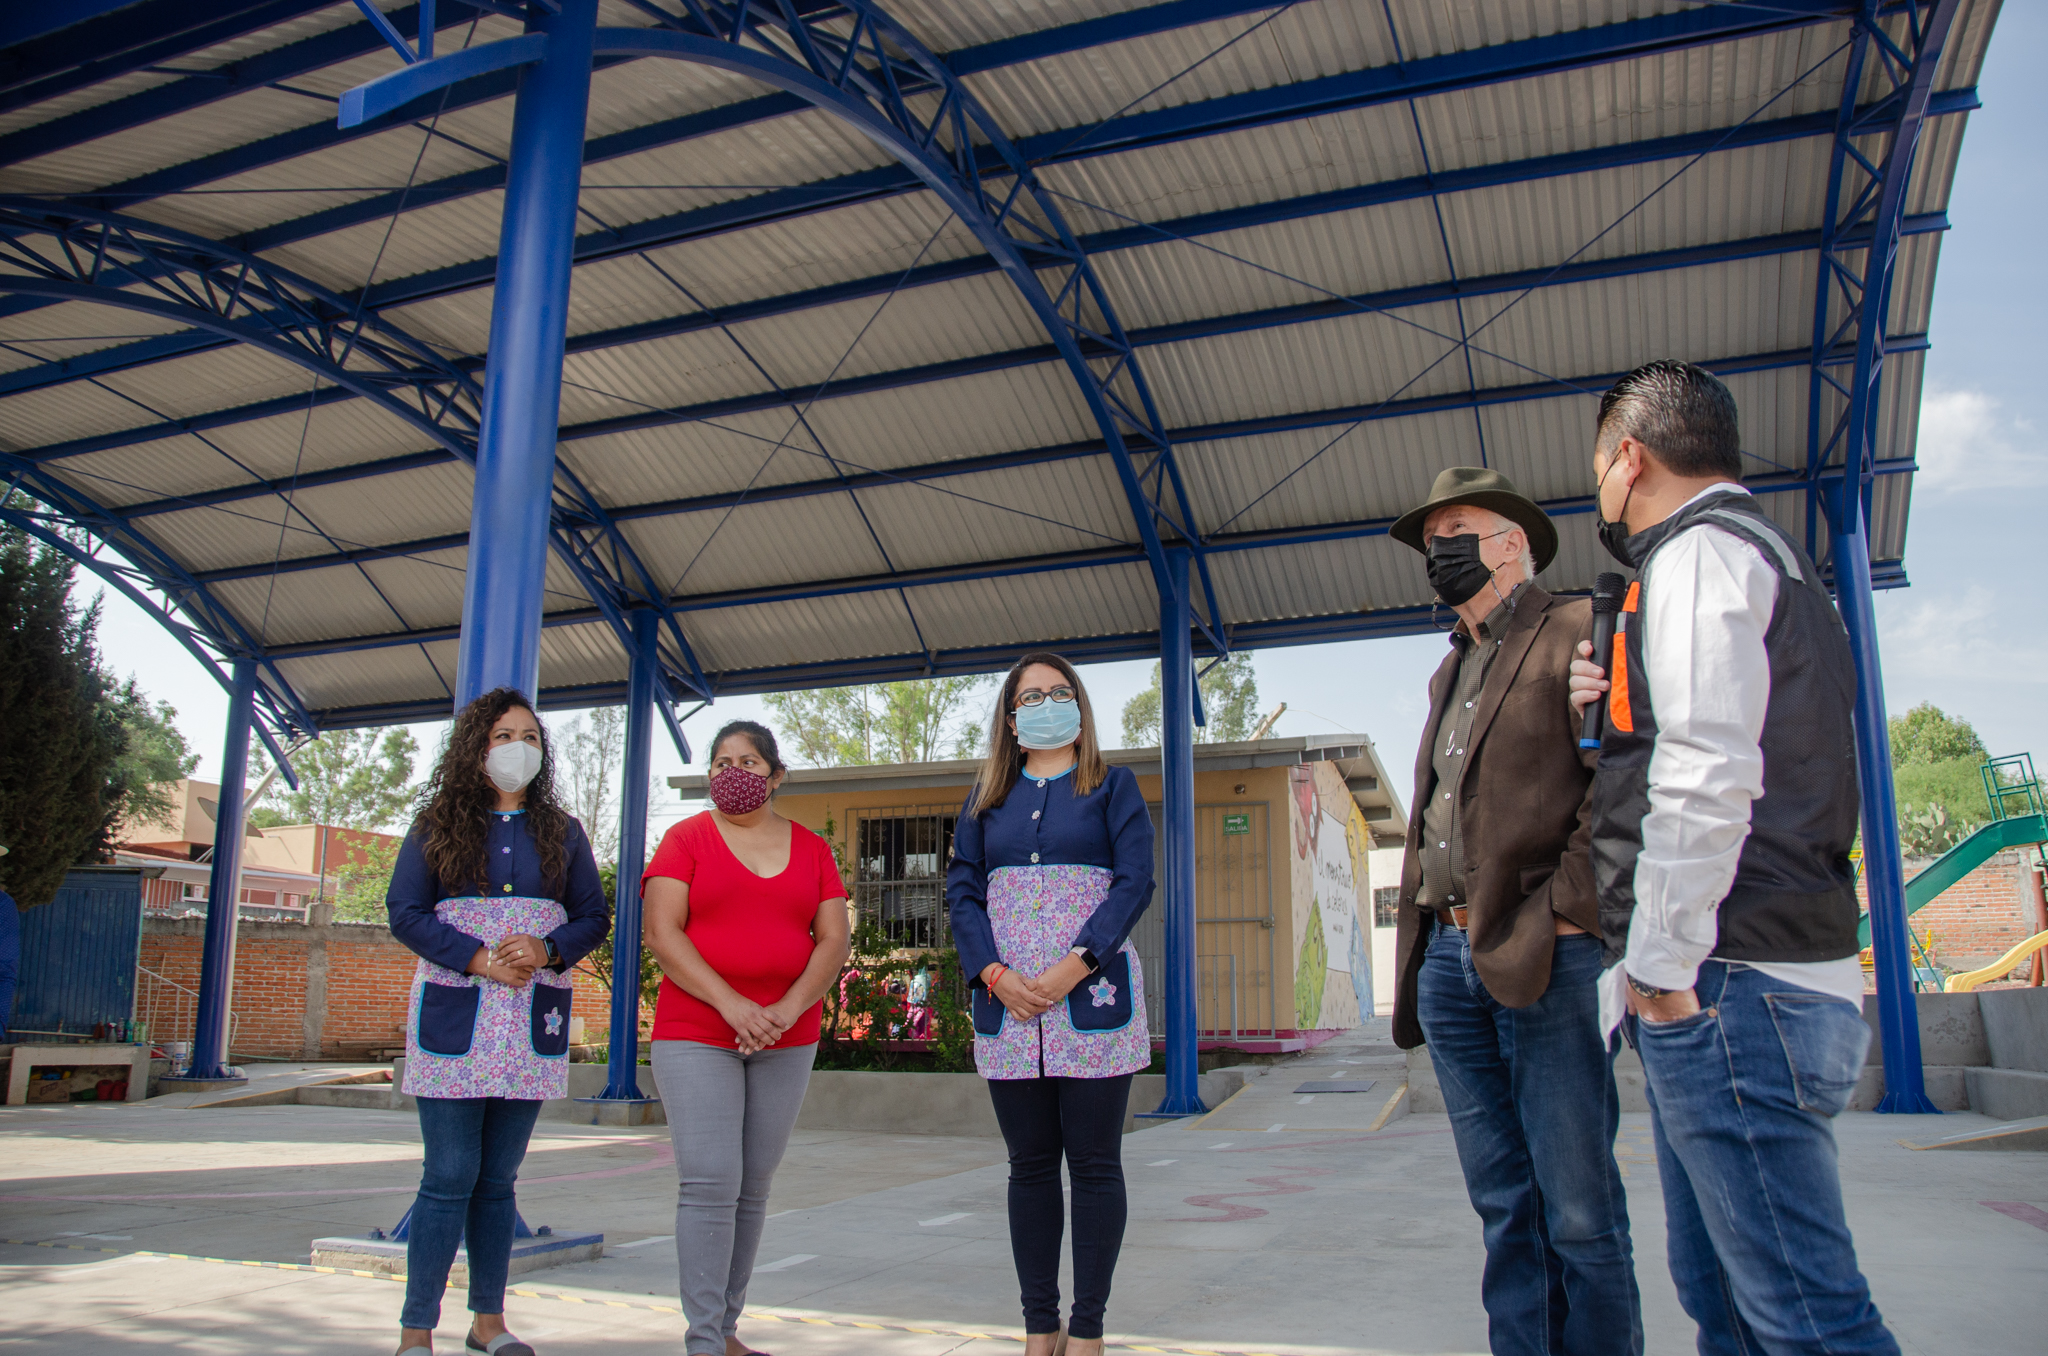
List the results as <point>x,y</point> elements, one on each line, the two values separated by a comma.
<point>1001,970</point>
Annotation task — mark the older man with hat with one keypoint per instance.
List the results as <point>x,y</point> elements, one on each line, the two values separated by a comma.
<point>1498,949</point>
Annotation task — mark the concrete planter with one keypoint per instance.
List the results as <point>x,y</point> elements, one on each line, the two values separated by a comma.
<point>838,1099</point>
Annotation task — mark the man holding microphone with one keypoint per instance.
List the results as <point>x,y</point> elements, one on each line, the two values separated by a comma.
<point>1723,814</point>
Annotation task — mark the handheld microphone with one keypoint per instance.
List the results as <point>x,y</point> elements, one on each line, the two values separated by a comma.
<point>1608,590</point>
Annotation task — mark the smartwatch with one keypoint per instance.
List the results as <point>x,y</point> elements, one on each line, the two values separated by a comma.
<point>554,955</point>
<point>1087,958</point>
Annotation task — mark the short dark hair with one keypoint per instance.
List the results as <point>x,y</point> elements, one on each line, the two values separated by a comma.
<point>1681,412</point>
<point>757,734</point>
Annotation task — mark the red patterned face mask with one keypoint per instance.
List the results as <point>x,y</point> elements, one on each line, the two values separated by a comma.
<point>736,791</point>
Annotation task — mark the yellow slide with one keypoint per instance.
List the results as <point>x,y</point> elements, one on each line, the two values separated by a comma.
<point>1999,968</point>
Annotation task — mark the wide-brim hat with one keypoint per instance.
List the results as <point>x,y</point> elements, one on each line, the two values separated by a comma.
<point>1481,488</point>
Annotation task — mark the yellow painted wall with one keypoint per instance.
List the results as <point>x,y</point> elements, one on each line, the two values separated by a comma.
<point>1268,960</point>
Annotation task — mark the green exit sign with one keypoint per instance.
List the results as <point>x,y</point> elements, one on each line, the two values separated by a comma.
<point>1237,823</point>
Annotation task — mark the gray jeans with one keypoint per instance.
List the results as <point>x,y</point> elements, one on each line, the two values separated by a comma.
<point>729,1116</point>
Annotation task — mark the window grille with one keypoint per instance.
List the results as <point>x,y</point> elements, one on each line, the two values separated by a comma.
<point>899,872</point>
<point>1386,906</point>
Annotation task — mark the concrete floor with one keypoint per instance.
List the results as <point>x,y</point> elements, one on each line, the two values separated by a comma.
<point>1275,1225</point>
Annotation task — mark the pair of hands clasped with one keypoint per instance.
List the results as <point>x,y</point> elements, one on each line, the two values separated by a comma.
<point>1027,996</point>
<point>1587,683</point>
<point>512,961</point>
<point>756,1026</point>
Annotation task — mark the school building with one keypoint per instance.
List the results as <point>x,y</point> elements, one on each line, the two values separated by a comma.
<point>1287,943</point>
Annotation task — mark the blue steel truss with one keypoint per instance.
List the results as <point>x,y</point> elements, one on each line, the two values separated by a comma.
<point>104,258</point>
<point>882,80</point>
<point>1863,226</point>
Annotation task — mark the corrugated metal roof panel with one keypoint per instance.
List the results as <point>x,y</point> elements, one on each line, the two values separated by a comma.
<point>757,545</point>
<point>1075,505</point>
<point>1041,609</point>
<point>820,629</point>
<point>373,677</point>
<point>1322,475</point>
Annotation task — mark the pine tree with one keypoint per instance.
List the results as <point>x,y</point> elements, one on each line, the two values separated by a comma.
<point>61,787</point>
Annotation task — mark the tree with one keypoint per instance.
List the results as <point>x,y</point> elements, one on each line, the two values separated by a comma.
<point>1936,780</point>
<point>352,779</point>
<point>363,885</point>
<point>879,722</point>
<point>590,750</point>
<point>62,786</point>
<point>1927,734</point>
<point>1230,702</point>
<point>156,756</point>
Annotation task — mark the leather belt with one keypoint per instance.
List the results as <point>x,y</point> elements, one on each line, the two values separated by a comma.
<point>1451,916</point>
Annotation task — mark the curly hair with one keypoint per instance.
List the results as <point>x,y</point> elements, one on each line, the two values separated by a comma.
<point>456,804</point>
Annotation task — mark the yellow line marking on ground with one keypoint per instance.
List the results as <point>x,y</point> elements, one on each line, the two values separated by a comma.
<point>1201,1122</point>
<point>521,1292</point>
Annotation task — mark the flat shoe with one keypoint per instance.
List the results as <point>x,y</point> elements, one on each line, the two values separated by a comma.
<point>504,1344</point>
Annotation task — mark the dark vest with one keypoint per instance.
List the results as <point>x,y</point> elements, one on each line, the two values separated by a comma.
<point>1794,896</point>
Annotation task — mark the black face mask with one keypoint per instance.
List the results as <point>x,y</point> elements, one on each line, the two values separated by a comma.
<point>1614,535</point>
<point>1455,570</point>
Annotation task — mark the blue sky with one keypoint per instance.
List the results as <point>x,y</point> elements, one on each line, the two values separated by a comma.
<point>1967,635</point>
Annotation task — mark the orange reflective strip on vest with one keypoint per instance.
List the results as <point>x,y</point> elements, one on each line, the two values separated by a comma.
<point>1618,713</point>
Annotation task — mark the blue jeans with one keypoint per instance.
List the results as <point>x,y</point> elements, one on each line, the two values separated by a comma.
<point>474,1147</point>
<point>1742,1092</point>
<point>1532,1102</point>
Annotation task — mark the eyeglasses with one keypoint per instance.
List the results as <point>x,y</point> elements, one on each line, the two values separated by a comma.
<point>1031,696</point>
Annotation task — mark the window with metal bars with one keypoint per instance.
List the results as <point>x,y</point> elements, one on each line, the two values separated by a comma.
<point>1386,906</point>
<point>899,872</point>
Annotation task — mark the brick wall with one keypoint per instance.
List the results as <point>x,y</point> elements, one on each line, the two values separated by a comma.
<point>337,991</point>
<point>1982,916</point>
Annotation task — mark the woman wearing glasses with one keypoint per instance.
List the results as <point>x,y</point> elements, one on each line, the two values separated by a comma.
<point>1052,864</point>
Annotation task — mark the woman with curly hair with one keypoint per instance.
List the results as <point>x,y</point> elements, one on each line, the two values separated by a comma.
<point>495,888</point>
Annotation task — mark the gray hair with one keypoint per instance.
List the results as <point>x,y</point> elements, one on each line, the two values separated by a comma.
<point>1503,523</point>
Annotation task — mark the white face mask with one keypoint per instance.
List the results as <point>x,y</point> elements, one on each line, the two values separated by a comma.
<point>511,766</point>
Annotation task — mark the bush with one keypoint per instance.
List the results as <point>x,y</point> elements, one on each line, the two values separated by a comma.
<point>870,1014</point>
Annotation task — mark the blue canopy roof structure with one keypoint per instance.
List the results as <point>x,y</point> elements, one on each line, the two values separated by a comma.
<point>903,335</point>
<point>241,345</point>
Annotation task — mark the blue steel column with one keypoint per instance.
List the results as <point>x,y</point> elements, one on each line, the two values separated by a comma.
<point>210,1026</point>
<point>641,689</point>
<point>1898,1012</point>
<point>515,463</point>
<point>1177,810</point>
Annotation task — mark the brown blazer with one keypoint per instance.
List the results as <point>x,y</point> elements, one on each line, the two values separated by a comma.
<point>1526,812</point>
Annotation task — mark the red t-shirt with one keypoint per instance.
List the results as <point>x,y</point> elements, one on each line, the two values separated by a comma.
<point>755,931</point>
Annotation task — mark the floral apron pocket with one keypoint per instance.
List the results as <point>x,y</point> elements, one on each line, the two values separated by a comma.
<point>987,1010</point>
<point>1102,1002</point>
<point>550,1020</point>
<point>448,1018</point>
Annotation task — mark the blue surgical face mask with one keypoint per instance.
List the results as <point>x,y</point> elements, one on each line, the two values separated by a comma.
<point>1048,725</point>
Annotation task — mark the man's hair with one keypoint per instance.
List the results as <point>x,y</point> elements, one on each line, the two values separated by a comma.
<point>1681,412</point>
<point>1503,523</point>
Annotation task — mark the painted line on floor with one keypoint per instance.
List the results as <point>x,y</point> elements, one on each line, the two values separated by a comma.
<point>793,1260</point>
<point>1162,1162</point>
<point>640,1242</point>
<point>943,1219</point>
<point>761,1315</point>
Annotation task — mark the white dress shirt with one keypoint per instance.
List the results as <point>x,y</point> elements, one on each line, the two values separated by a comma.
<point>1707,598</point>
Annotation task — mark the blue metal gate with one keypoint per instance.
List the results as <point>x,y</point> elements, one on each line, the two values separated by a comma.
<point>79,953</point>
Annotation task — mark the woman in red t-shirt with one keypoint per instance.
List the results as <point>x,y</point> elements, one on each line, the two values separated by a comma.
<point>747,915</point>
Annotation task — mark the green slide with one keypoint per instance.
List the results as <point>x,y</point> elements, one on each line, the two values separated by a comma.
<point>1965,857</point>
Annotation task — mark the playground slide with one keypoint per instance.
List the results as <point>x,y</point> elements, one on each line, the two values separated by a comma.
<point>1965,857</point>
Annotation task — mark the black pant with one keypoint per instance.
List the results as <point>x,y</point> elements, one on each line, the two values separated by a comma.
<point>1083,1118</point>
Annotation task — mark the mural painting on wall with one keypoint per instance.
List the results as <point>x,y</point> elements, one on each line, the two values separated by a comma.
<point>1333,970</point>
